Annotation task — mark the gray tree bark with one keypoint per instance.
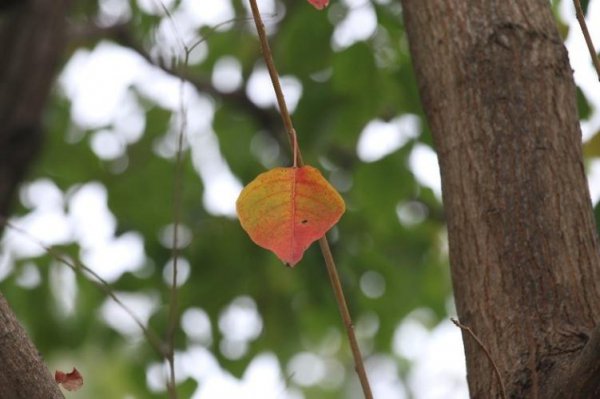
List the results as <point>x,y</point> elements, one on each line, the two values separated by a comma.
<point>32,35</point>
<point>499,95</point>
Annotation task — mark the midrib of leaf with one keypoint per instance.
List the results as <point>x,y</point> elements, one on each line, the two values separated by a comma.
<point>293,205</point>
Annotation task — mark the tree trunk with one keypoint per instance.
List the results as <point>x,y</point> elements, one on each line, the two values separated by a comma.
<point>499,95</point>
<point>23,375</point>
<point>32,35</point>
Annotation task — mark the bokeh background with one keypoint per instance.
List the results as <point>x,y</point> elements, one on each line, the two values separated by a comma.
<point>102,192</point>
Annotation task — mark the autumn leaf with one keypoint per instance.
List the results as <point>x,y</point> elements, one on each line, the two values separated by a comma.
<point>70,381</point>
<point>287,209</point>
<point>319,4</point>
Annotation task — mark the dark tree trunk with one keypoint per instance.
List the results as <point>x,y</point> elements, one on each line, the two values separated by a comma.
<point>499,95</point>
<point>32,34</point>
<point>23,374</point>
<point>32,37</point>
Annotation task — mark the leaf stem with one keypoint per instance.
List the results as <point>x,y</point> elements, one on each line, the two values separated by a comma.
<point>325,249</point>
<point>295,147</point>
<point>586,35</point>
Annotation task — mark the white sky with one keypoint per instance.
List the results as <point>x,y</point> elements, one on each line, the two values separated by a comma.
<point>98,82</point>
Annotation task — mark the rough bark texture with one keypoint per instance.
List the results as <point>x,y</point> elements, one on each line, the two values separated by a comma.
<point>23,375</point>
<point>498,92</point>
<point>31,42</point>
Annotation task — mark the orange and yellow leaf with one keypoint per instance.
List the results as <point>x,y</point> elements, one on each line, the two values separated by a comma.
<point>287,209</point>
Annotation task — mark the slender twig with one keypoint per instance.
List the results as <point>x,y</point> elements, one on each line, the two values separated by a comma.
<point>173,311</point>
<point>487,353</point>
<point>343,307</point>
<point>586,34</point>
<point>121,34</point>
<point>325,249</point>
<point>177,204</point>
<point>268,57</point>
<point>177,199</point>
<point>96,279</point>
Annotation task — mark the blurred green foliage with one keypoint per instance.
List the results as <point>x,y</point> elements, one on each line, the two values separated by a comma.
<point>342,91</point>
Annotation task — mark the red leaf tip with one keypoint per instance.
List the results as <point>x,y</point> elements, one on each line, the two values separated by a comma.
<point>70,381</point>
<point>319,4</point>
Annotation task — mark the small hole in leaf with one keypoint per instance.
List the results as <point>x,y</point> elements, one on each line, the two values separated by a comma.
<point>304,221</point>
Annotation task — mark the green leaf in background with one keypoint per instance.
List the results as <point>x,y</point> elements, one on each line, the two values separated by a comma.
<point>583,105</point>
<point>584,5</point>
<point>591,148</point>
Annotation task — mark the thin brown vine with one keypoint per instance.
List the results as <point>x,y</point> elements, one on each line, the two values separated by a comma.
<point>487,353</point>
<point>96,279</point>
<point>325,249</point>
<point>586,35</point>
